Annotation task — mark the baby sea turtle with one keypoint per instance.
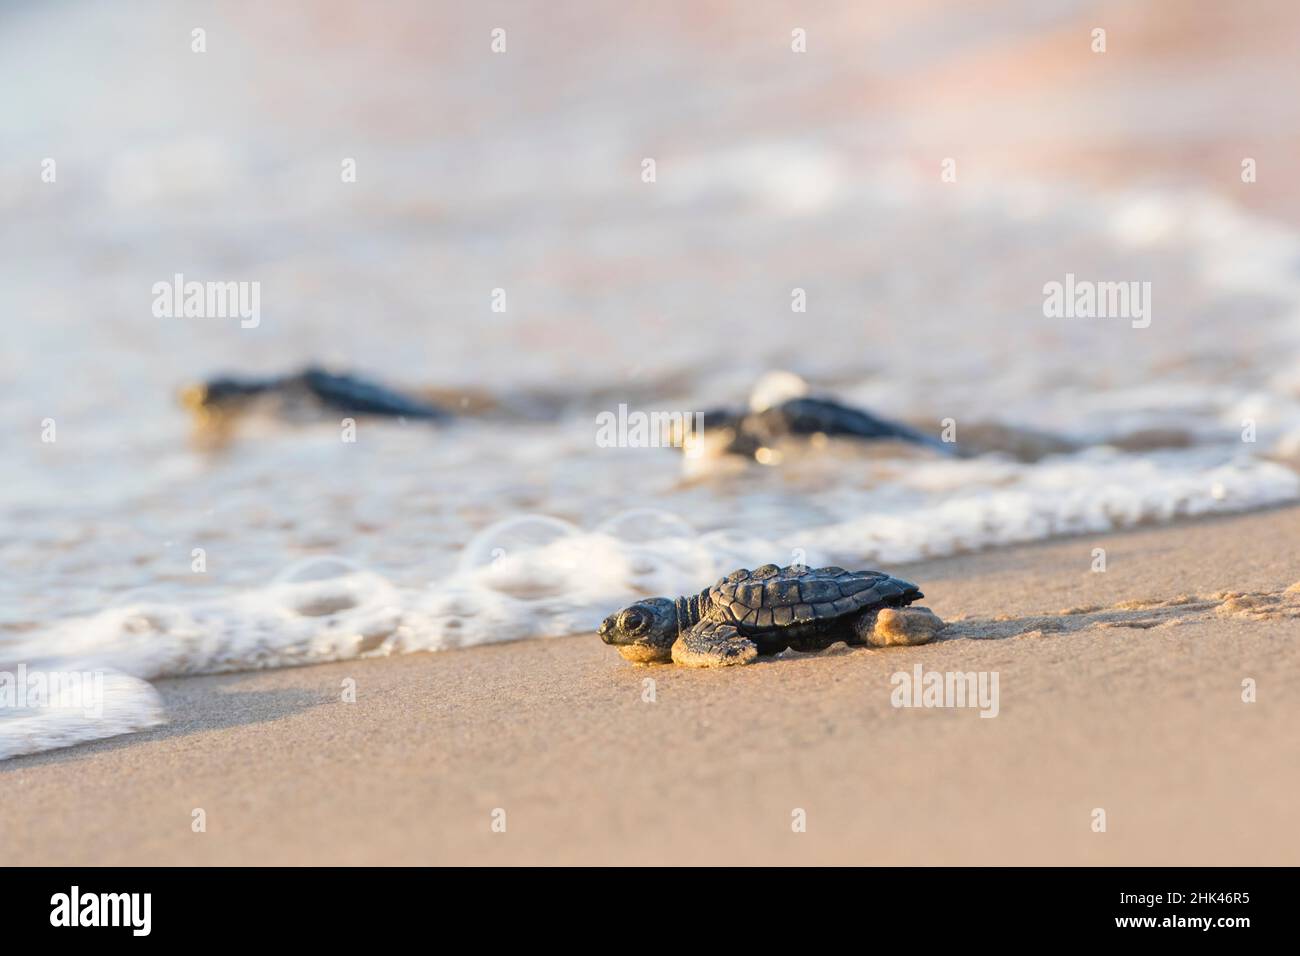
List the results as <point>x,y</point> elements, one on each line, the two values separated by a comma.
<point>749,433</point>
<point>781,410</point>
<point>767,610</point>
<point>310,394</point>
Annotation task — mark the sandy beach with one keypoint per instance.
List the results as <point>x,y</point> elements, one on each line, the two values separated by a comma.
<point>675,202</point>
<point>1134,707</point>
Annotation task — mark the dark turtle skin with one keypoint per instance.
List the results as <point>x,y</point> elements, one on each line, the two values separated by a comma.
<point>746,433</point>
<point>800,417</point>
<point>802,608</point>
<point>306,395</point>
<point>331,390</point>
<point>761,612</point>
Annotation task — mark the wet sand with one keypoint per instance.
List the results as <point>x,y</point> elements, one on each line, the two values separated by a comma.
<point>1119,690</point>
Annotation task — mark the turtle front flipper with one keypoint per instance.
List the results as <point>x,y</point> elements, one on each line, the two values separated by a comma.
<point>709,644</point>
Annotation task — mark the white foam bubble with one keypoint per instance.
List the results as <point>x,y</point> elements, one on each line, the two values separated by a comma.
<point>566,584</point>
<point>433,552</point>
<point>123,705</point>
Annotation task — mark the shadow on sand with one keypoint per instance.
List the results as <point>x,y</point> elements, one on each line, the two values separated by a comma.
<point>187,712</point>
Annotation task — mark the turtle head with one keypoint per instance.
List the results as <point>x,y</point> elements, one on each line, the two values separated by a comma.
<point>204,399</point>
<point>213,405</point>
<point>207,412</point>
<point>644,631</point>
<point>223,392</point>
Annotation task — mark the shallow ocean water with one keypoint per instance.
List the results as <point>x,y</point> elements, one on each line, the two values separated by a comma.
<point>925,303</point>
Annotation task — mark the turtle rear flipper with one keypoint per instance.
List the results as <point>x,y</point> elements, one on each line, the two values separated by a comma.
<point>710,644</point>
<point>892,626</point>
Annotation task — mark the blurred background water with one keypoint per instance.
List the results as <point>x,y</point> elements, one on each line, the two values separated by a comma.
<point>521,171</point>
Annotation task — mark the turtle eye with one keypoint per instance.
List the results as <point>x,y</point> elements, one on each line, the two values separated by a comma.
<point>633,621</point>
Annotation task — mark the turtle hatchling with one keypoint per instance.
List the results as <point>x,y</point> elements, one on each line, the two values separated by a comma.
<point>767,610</point>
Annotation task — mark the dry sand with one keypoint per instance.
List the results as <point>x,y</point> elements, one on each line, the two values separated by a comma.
<point>1135,707</point>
